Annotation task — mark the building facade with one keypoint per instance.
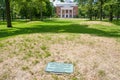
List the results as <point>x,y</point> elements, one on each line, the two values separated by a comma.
<point>66,9</point>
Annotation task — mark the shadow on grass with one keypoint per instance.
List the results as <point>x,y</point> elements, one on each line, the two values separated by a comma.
<point>13,22</point>
<point>69,28</point>
<point>2,23</point>
<point>116,22</point>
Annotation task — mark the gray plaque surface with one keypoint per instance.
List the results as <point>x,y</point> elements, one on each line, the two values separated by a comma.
<point>57,67</point>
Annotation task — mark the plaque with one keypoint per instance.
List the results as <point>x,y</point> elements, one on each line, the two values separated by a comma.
<point>57,67</point>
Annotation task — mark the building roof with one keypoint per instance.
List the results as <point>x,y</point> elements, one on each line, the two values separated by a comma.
<point>64,4</point>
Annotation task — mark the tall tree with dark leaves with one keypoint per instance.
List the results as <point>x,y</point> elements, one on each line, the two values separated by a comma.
<point>2,9</point>
<point>118,7</point>
<point>111,6</point>
<point>8,16</point>
<point>90,9</point>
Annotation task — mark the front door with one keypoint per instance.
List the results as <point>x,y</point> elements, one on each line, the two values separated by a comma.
<point>66,16</point>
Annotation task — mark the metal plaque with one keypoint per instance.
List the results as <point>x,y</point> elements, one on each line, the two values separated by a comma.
<point>57,67</point>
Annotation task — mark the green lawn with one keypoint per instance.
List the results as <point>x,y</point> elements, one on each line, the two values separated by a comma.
<point>76,26</point>
<point>93,47</point>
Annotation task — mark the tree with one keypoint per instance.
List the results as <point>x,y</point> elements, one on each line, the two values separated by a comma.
<point>41,9</point>
<point>8,16</point>
<point>90,10</point>
<point>83,7</point>
<point>2,8</point>
<point>31,9</point>
<point>111,6</point>
<point>101,9</point>
<point>118,9</point>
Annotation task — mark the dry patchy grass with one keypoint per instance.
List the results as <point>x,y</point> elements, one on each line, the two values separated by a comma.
<point>98,23</point>
<point>25,57</point>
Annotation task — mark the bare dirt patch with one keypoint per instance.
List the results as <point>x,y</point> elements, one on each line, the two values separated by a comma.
<point>25,57</point>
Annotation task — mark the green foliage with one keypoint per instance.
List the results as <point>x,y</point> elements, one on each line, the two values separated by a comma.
<point>95,9</point>
<point>29,9</point>
<point>36,9</point>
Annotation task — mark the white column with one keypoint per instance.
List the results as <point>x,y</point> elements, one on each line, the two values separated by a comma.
<point>72,13</point>
<point>65,13</point>
<point>69,13</point>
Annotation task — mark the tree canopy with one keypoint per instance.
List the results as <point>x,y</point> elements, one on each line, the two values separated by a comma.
<point>99,9</point>
<point>39,9</point>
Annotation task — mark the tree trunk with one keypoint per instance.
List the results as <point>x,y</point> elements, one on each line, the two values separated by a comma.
<point>95,14</point>
<point>8,16</point>
<point>3,15</point>
<point>118,16</point>
<point>41,16</point>
<point>118,13</point>
<point>90,14</point>
<point>31,17</point>
<point>30,11</point>
<point>111,13</point>
<point>90,9</point>
<point>101,10</point>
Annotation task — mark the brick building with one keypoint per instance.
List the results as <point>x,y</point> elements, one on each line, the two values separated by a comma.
<point>66,9</point>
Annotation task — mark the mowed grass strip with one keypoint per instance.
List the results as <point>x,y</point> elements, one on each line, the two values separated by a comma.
<point>25,54</point>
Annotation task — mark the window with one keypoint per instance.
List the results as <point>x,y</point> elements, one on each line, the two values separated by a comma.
<point>62,11</point>
<point>59,11</point>
<point>66,11</point>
